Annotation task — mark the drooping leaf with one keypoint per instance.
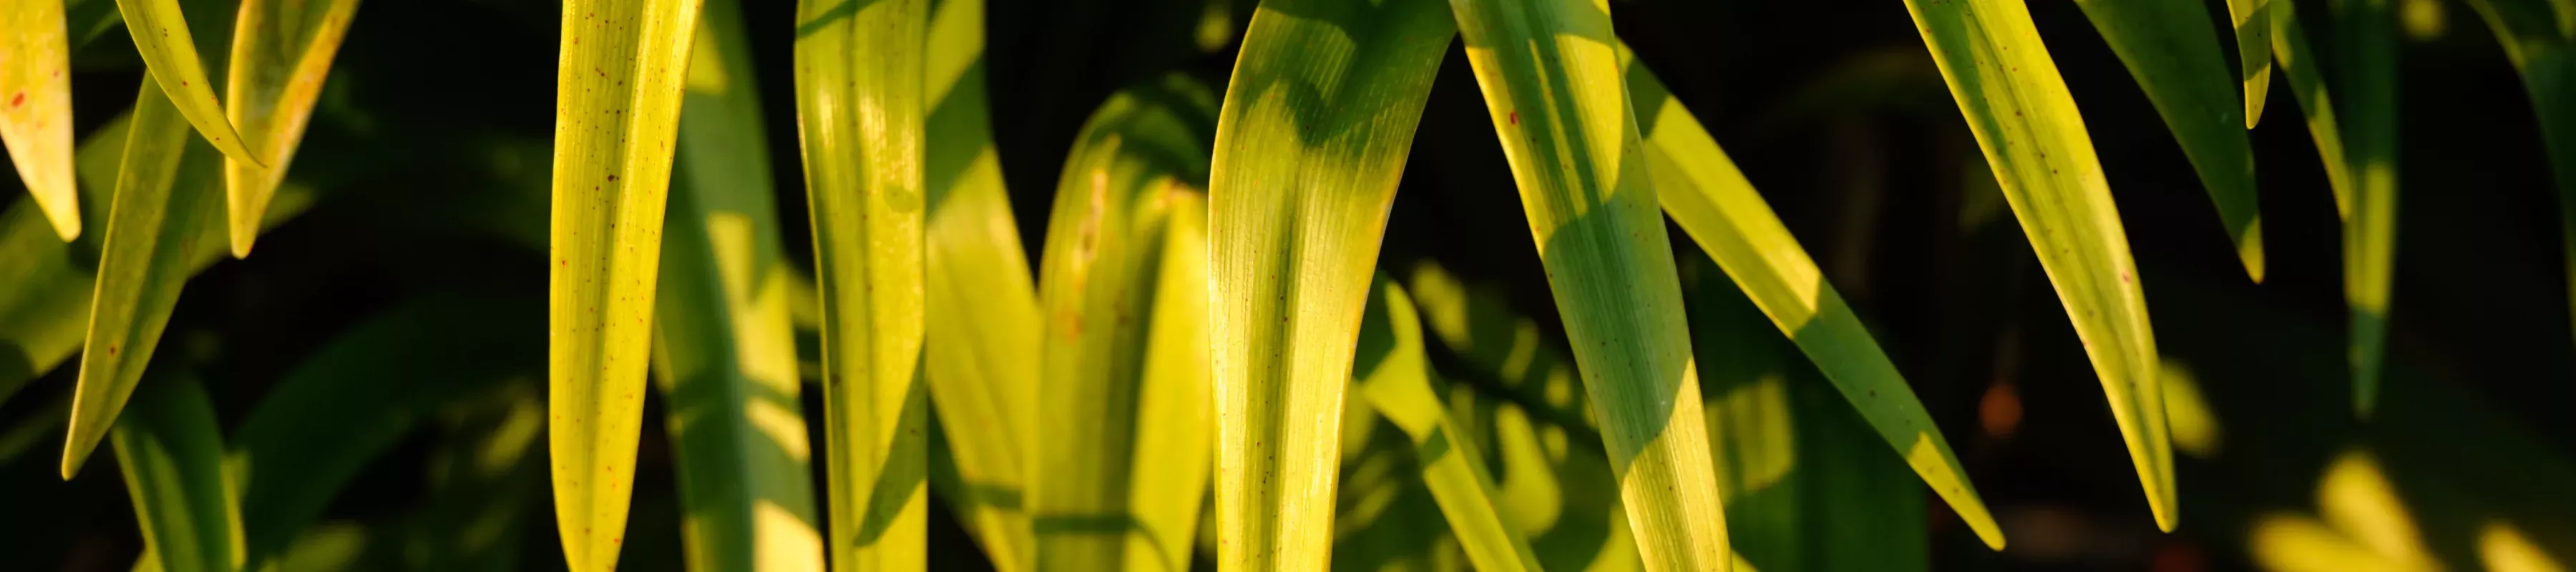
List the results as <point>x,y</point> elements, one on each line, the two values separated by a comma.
<point>170,52</point>
<point>1555,93</point>
<point>281,53</point>
<point>2167,47</point>
<point>2026,123</point>
<point>2253,21</point>
<point>1396,379</point>
<point>2367,30</point>
<point>2545,54</point>
<point>172,455</point>
<point>983,310</point>
<point>164,189</point>
<point>859,75</point>
<point>617,103</point>
<point>726,355</point>
<point>36,108</point>
<point>1701,189</point>
<point>1318,118</point>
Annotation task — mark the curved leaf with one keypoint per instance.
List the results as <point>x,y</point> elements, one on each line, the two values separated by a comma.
<point>280,55</point>
<point>2165,46</point>
<point>2299,63</point>
<point>1397,380</point>
<point>2546,57</point>
<point>36,108</point>
<point>1318,118</point>
<point>2253,21</point>
<point>2033,138</point>
<point>172,455</point>
<point>2368,30</point>
<point>170,52</point>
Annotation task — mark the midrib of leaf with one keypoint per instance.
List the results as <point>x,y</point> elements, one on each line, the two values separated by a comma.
<point>36,108</point>
<point>169,52</point>
<point>281,52</point>
<point>1318,118</point>
<point>1703,191</point>
<point>1396,379</point>
<point>2546,57</point>
<point>2018,107</point>
<point>617,93</point>
<point>171,452</point>
<point>1553,89</point>
<point>859,76</point>
<point>2167,48</point>
<point>2368,30</point>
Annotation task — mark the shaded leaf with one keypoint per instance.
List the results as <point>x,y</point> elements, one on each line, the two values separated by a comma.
<point>172,455</point>
<point>1397,380</point>
<point>281,53</point>
<point>2546,57</point>
<point>2368,32</point>
<point>2166,47</point>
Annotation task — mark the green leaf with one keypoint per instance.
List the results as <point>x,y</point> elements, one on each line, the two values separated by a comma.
<point>1397,380</point>
<point>983,309</point>
<point>2176,61</point>
<point>2546,57</point>
<point>2253,22</point>
<point>617,92</point>
<point>280,55</point>
<point>726,354</point>
<point>170,52</point>
<point>164,190</point>
<point>172,455</point>
<point>1702,189</point>
<point>36,107</point>
<point>1383,516</point>
<point>481,478</point>
<point>2033,138</point>
<point>2368,30</point>
<point>2308,83</point>
<point>1124,341</point>
<point>859,75</point>
<point>1553,89</point>
<point>1318,118</point>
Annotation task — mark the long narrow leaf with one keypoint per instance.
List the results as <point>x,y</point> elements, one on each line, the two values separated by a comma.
<point>1175,412</point>
<point>170,51</point>
<point>726,353</point>
<point>2167,47</point>
<point>2545,54</point>
<point>2253,21</point>
<point>481,479</point>
<point>617,103</point>
<point>1553,89</point>
<point>1397,380</point>
<point>859,75</point>
<point>1318,119</point>
<point>172,455</point>
<point>36,108</point>
<point>2025,121</point>
<point>2299,63</point>
<point>1701,189</point>
<point>281,52</point>
<point>2367,30</point>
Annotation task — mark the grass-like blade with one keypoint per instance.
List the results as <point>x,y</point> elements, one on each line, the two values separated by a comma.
<point>1702,189</point>
<point>859,76</point>
<point>164,188</point>
<point>2015,102</point>
<point>1385,517</point>
<point>2169,50</point>
<point>2367,31</point>
<point>1555,93</point>
<point>2299,65</point>
<point>2545,54</point>
<point>281,53</point>
<point>983,313</point>
<point>1318,118</point>
<point>172,454</point>
<point>617,103</point>
<point>1175,412</point>
<point>2253,21</point>
<point>726,355</point>
<point>1396,378</point>
<point>1108,302</point>
<point>36,114</point>
<point>169,52</point>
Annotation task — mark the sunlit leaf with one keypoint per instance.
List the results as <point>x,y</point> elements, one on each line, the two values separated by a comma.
<point>1318,118</point>
<point>172,455</point>
<point>617,102</point>
<point>170,52</point>
<point>2167,47</point>
<point>859,76</point>
<point>36,107</point>
<point>2299,63</point>
<point>2367,30</point>
<point>2026,122</point>
<point>1396,379</point>
<point>1175,413</point>
<point>281,52</point>
<point>2253,21</point>
<point>2546,56</point>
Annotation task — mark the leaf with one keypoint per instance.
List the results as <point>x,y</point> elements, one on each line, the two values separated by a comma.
<point>36,114</point>
<point>983,321</point>
<point>163,191</point>
<point>2546,58</point>
<point>1397,380</point>
<point>2033,138</point>
<point>859,75</point>
<point>170,52</point>
<point>1118,345</point>
<point>1551,78</point>
<point>2177,63</point>
<point>726,354</point>
<point>1318,118</point>
<point>481,479</point>
<point>2299,63</point>
<point>280,55</point>
<point>2253,21</point>
<point>611,177</point>
<point>172,455</point>
<point>1383,518</point>
<point>1702,190</point>
<point>2368,29</point>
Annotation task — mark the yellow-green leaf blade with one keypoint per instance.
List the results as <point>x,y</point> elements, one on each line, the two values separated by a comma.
<point>1701,189</point>
<point>2298,61</point>
<point>2176,61</point>
<point>1175,409</point>
<point>2368,30</point>
<point>859,75</point>
<point>1991,56</point>
<point>617,104</point>
<point>1396,379</point>
<point>1554,91</point>
<point>164,186</point>
<point>172,454</point>
<point>2253,21</point>
<point>281,53</point>
<point>169,51</point>
<point>36,107</point>
<point>1319,116</point>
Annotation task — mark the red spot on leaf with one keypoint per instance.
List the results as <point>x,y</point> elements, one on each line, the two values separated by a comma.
<point>18,99</point>
<point>1516,118</point>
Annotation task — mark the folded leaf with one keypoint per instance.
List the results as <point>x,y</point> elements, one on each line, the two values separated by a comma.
<point>1397,380</point>
<point>281,53</point>
<point>2253,21</point>
<point>2368,31</point>
<point>170,52</point>
<point>617,93</point>
<point>172,456</point>
<point>36,107</point>
<point>2167,48</point>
